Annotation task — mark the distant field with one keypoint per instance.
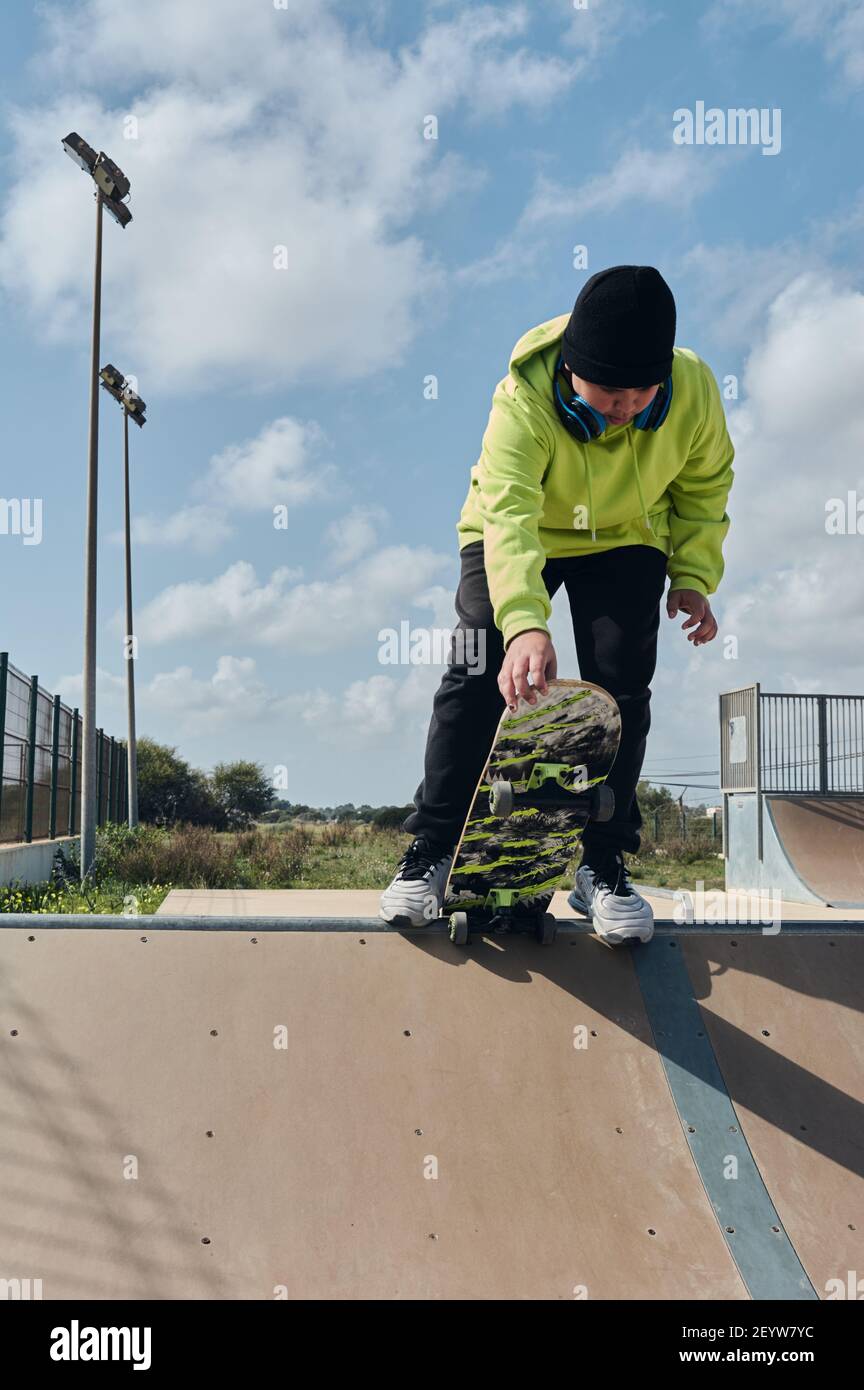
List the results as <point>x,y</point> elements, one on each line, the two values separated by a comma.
<point>368,856</point>
<point>144,865</point>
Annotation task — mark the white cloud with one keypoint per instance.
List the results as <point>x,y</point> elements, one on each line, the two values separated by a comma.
<point>313,142</point>
<point>278,467</point>
<point>472,58</point>
<point>232,603</point>
<point>673,178</point>
<point>232,694</point>
<point>320,615</point>
<point>732,286</point>
<point>369,703</point>
<point>194,528</point>
<point>235,696</point>
<point>391,705</point>
<point>354,534</point>
<point>110,689</point>
<point>441,601</point>
<point>603,24</point>
<point>177,41</point>
<point>782,623</point>
<point>837,24</point>
<point>798,431</point>
<point>396,706</point>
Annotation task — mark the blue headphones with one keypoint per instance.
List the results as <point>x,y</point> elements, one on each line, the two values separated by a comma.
<point>585,423</point>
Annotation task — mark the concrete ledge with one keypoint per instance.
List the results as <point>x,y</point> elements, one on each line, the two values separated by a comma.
<point>363,903</point>
<point>30,863</point>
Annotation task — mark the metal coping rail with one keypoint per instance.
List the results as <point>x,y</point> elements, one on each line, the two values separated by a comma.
<point>662,927</point>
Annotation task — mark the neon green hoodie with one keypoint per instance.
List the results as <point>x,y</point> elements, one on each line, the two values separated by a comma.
<point>536,491</point>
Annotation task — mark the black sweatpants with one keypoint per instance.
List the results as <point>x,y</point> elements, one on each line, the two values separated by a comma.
<point>615,606</point>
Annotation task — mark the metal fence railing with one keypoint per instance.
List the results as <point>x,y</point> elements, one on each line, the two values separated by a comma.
<point>807,744</point>
<point>40,763</point>
<point>813,743</point>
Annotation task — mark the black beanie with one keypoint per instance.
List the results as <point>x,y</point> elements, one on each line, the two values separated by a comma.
<point>622,328</point>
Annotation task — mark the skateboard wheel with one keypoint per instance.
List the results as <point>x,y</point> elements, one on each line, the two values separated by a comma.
<point>602,803</point>
<point>501,799</point>
<point>547,928</point>
<point>459,928</point>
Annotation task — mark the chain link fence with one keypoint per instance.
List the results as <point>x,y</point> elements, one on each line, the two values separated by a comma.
<point>40,764</point>
<point>677,827</point>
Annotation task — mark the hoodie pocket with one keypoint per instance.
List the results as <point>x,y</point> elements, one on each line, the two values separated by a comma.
<point>660,523</point>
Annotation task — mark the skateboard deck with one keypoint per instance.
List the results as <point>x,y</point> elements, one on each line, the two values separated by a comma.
<point>543,780</point>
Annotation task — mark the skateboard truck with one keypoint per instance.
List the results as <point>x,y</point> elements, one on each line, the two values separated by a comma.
<point>500,913</point>
<point>545,779</point>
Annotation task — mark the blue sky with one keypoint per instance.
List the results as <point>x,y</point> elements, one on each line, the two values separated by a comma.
<point>244,127</point>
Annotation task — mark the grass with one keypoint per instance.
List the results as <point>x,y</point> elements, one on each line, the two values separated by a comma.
<point>136,869</point>
<point>678,864</point>
<point>110,899</point>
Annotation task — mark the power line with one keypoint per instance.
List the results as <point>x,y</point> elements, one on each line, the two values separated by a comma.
<point>683,772</point>
<point>686,757</point>
<point>697,786</point>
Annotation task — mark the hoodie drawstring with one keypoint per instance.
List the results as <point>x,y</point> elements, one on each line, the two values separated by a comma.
<point>645,518</point>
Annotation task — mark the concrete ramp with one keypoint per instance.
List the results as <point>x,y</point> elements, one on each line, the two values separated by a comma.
<point>824,841</point>
<point>254,1112</point>
<point>812,848</point>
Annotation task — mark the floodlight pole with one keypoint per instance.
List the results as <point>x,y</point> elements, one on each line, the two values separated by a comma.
<point>132,759</point>
<point>88,730</point>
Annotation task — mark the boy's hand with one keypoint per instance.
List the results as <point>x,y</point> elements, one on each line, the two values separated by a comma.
<point>696,604</point>
<point>530,651</point>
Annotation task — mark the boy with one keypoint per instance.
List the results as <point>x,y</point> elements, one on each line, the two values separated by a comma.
<point>605,465</point>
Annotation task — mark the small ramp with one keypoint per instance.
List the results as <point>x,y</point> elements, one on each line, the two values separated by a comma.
<point>250,1109</point>
<point>812,848</point>
<point>823,839</point>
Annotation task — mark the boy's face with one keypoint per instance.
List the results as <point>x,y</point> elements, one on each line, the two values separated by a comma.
<point>619,404</point>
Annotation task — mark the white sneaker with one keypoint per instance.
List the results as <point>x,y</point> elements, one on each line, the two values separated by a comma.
<point>604,893</point>
<point>415,896</point>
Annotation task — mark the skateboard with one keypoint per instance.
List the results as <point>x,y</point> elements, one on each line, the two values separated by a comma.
<point>543,780</point>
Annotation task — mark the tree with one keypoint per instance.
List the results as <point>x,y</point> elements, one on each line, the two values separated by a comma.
<point>242,790</point>
<point>391,817</point>
<point>654,798</point>
<point>169,790</point>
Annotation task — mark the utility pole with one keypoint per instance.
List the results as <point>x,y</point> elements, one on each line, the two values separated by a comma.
<point>112,187</point>
<point>121,389</point>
